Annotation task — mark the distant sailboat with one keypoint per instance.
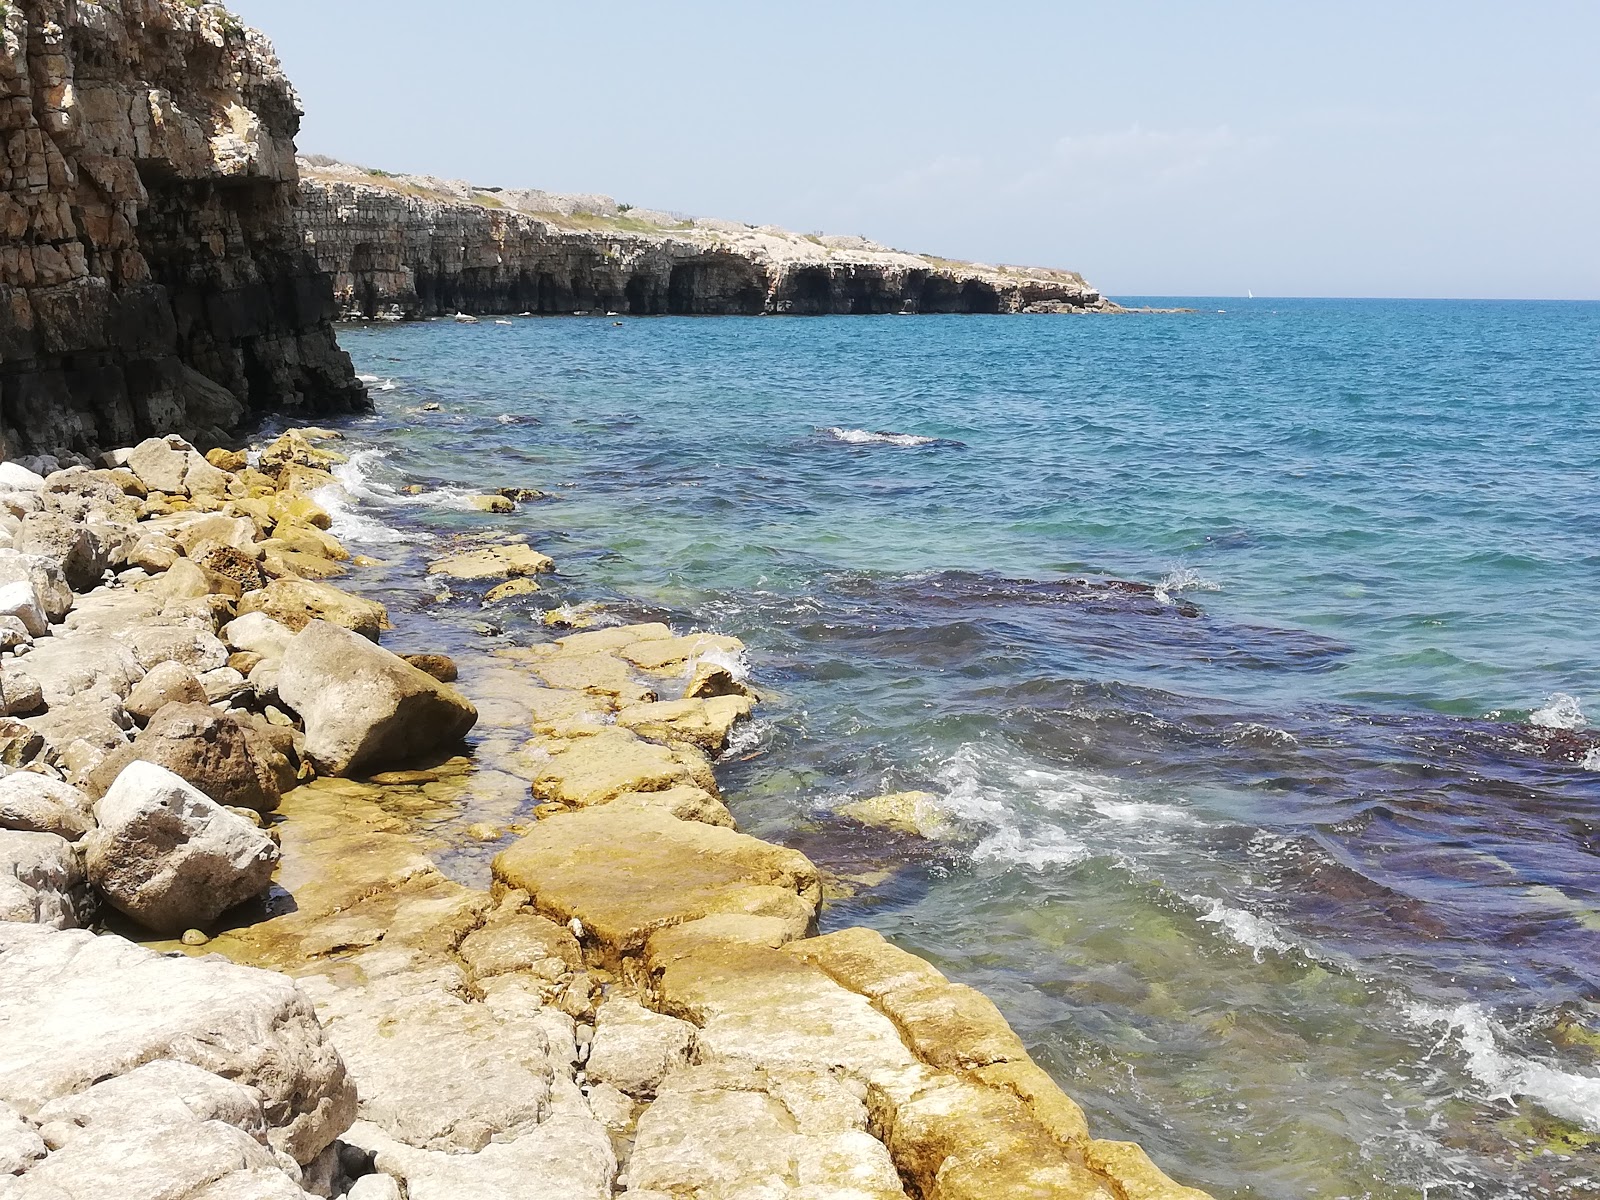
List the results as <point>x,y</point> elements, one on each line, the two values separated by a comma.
<point>1249,295</point>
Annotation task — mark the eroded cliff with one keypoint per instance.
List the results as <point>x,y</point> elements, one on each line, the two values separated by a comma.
<point>417,246</point>
<point>152,274</point>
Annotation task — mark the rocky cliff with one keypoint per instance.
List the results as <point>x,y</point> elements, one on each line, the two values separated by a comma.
<point>152,276</point>
<point>416,246</point>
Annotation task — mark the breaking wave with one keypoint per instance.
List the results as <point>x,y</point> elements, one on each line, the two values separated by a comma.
<point>1505,1075</point>
<point>884,437</point>
<point>1560,711</point>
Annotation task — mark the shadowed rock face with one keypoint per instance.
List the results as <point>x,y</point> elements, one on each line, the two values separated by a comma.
<point>416,246</point>
<point>152,277</point>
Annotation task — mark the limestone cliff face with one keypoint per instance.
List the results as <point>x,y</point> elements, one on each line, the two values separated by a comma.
<point>416,246</point>
<point>152,276</point>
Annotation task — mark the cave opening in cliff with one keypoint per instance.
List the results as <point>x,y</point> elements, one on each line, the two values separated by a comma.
<point>715,287</point>
<point>811,291</point>
<point>979,297</point>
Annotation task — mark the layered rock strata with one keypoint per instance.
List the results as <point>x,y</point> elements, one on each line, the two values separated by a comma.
<point>416,246</point>
<point>152,276</point>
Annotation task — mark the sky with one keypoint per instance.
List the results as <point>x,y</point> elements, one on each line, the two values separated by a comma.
<point>1294,149</point>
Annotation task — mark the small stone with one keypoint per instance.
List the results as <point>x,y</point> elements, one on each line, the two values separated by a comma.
<point>492,504</point>
<point>194,937</point>
<point>441,666</point>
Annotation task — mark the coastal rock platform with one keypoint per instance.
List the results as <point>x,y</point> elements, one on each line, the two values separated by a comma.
<point>640,1004</point>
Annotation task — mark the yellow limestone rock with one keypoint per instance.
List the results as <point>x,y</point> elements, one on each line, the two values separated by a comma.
<point>946,1024</point>
<point>510,589</point>
<point>600,674</point>
<point>686,802</point>
<point>918,813</point>
<point>591,770</point>
<point>704,723</point>
<point>670,654</point>
<point>493,562</point>
<point>626,873</point>
<point>613,638</point>
<point>491,504</point>
<point>298,602</point>
<point>1140,1178</point>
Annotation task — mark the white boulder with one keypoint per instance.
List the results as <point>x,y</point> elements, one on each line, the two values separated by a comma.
<point>95,1008</point>
<point>169,856</point>
<point>365,708</point>
<point>20,599</point>
<point>32,803</point>
<point>41,880</point>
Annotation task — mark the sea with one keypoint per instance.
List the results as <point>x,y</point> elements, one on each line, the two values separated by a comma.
<point>1247,658</point>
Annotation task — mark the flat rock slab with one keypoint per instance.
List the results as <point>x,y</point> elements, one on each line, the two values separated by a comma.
<point>76,1009</point>
<point>493,562</point>
<point>625,873</point>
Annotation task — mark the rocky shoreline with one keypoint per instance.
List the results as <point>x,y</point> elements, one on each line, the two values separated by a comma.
<point>640,1004</point>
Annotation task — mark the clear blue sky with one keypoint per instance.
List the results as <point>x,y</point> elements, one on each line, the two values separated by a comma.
<point>1354,148</point>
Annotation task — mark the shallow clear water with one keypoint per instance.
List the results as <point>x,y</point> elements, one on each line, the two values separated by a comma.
<point>1283,861</point>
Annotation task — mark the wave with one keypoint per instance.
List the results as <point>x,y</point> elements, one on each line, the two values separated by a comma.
<point>377,383</point>
<point>1183,579</point>
<point>1504,1074</point>
<point>1256,934</point>
<point>884,437</point>
<point>1560,711</point>
<point>359,487</point>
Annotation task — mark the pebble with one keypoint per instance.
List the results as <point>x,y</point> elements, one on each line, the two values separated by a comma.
<point>194,937</point>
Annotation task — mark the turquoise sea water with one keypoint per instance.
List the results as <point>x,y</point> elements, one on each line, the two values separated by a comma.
<point>1245,653</point>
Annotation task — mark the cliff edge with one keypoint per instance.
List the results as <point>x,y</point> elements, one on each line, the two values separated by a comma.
<point>419,246</point>
<point>152,275</point>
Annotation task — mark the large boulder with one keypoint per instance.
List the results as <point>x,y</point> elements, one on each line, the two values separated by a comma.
<point>365,708</point>
<point>49,584</point>
<point>20,599</point>
<point>166,683</point>
<point>85,664</point>
<point>55,536</point>
<point>34,803</point>
<point>20,693</point>
<point>166,1128</point>
<point>295,603</point>
<point>172,465</point>
<point>223,755</point>
<point>41,881</point>
<point>97,1008</point>
<point>169,856</point>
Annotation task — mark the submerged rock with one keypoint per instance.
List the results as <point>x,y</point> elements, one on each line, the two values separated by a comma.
<point>493,562</point>
<point>365,708</point>
<point>169,856</point>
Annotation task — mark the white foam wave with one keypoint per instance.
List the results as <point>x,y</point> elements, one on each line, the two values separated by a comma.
<point>1560,711</point>
<point>378,383</point>
<point>1256,934</point>
<point>882,437</point>
<point>1591,760</point>
<point>746,737</point>
<point>990,798</point>
<point>1137,812</point>
<point>357,486</point>
<point>1183,579</point>
<point>1505,1075</point>
<point>734,664</point>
